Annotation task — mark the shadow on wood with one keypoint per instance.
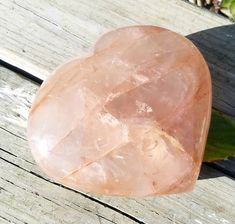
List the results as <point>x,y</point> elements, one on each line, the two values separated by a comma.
<point>221,168</point>
<point>218,47</point>
<point>207,172</point>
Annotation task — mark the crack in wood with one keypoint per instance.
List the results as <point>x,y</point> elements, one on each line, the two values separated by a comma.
<point>97,214</point>
<point>5,219</point>
<point>13,134</point>
<point>1,149</point>
<point>21,72</point>
<point>2,188</point>
<point>47,20</point>
<point>9,153</point>
<point>34,13</point>
<point>17,219</point>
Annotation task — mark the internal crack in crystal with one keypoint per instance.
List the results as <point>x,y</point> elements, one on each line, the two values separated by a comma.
<point>159,131</point>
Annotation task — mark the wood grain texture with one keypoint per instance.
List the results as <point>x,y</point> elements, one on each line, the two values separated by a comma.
<point>39,36</point>
<point>27,195</point>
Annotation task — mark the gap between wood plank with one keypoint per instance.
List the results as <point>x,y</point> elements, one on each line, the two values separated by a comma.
<point>21,72</point>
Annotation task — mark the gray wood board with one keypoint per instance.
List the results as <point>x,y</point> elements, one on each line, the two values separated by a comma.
<point>28,196</point>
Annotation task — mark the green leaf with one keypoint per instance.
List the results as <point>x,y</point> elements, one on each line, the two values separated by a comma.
<point>232,9</point>
<point>221,138</point>
<point>226,3</point>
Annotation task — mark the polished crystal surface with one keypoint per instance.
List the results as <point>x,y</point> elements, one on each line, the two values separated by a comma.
<point>130,119</point>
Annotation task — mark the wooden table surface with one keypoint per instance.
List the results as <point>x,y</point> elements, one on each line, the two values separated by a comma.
<point>35,37</point>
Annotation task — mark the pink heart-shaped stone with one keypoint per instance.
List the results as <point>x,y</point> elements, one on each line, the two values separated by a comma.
<point>129,119</point>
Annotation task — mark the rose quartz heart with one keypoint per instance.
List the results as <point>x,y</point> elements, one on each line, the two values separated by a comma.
<point>129,119</point>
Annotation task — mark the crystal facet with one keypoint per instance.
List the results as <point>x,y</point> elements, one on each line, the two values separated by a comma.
<point>131,118</point>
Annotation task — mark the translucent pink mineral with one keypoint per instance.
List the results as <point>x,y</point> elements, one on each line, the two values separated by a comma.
<point>129,119</point>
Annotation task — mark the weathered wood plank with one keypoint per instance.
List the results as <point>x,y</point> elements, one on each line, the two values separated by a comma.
<point>212,201</point>
<point>38,36</point>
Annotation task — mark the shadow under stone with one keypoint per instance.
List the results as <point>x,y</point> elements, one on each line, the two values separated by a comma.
<point>218,47</point>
